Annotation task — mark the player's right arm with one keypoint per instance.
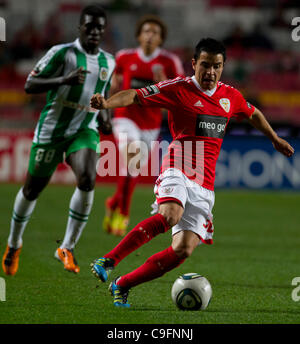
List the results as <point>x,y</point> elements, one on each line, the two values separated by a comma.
<point>39,85</point>
<point>120,99</point>
<point>48,72</point>
<point>160,95</point>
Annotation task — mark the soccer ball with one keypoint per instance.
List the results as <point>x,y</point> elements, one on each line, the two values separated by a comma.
<point>191,291</point>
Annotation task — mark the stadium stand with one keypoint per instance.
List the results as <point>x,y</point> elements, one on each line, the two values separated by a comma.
<point>263,60</point>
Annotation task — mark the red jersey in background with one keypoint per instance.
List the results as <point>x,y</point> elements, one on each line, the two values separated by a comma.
<point>137,71</point>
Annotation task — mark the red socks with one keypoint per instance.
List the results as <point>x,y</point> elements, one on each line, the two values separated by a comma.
<point>123,195</point>
<point>127,192</point>
<point>138,236</point>
<point>154,267</point>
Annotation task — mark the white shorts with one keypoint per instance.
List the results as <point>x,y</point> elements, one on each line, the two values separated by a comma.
<point>197,201</point>
<point>132,132</point>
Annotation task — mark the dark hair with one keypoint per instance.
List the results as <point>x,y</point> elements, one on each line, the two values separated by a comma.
<point>211,46</point>
<point>95,10</point>
<point>150,18</point>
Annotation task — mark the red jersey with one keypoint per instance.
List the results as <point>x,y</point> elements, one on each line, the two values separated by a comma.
<point>197,122</point>
<point>137,71</point>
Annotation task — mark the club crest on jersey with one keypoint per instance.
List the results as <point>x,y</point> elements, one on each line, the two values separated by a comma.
<point>225,103</point>
<point>133,67</point>
<point>149,91</point>
<point>103,74</point>
<point>167,190</point>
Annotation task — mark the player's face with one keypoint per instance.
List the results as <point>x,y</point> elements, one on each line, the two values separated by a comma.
<point>91,31</point>
<point>208,69</point>
<point>150,37</point>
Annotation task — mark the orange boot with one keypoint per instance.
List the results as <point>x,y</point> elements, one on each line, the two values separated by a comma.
<point>67,258</point>
<point>10,260</point>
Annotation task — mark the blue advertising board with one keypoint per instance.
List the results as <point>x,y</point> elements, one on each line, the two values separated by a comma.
<point>252,162</point>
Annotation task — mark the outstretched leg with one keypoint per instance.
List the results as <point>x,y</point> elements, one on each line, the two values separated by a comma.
<point>169,214</point>
<point>183,244</point>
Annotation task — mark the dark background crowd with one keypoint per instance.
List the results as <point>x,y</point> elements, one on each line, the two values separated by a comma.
<point>263,59</point>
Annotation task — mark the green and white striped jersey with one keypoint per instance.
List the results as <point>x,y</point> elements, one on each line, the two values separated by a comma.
<point>67,108</point>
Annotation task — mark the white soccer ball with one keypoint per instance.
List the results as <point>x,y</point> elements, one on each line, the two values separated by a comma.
<point>191,291</point>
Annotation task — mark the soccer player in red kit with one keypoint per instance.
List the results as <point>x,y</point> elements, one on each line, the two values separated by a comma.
<point>137,68</point>
<point>200,108</point>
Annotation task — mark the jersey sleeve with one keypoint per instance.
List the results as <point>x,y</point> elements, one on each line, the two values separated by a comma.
<point>51,64</point>
<point>242,108</point>
<point>161,95</point>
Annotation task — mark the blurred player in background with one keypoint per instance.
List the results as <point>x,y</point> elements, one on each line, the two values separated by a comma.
<point>136,68</point>
<point>70,74</point>
<point>200,108</point>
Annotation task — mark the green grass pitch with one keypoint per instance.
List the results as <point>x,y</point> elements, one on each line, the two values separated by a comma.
<point>251,264</point>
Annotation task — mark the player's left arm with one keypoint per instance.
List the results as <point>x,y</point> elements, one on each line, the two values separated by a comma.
<point>259,121</point>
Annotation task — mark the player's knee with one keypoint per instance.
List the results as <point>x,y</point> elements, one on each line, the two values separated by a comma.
<point>30,193</point>
<point>172,218</point>
<point>183,250</point>
<point>86,181</point>
<point>172,213</point>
